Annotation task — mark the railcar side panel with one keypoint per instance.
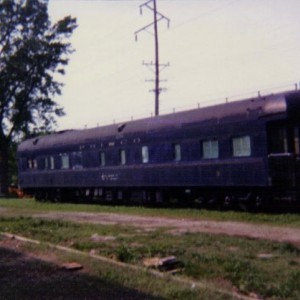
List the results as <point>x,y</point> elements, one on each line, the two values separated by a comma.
<point>248,146</point>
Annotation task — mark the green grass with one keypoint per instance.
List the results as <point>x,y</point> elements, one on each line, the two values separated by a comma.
<point>204,257</point>
<point>29,206</point>
<point>210,258</point>
<point>24,278</point>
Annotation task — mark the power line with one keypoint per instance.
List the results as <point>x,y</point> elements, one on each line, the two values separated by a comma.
<point>204,14</point>
<point>103,0</point>
<point>120,0</point>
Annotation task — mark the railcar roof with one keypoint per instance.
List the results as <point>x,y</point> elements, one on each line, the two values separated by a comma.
<point>267,105</point>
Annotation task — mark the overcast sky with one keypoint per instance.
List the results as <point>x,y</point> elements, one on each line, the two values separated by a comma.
<point>216,49</point>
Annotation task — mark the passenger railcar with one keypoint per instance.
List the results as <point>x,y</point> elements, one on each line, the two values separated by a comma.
<point>240,153</point>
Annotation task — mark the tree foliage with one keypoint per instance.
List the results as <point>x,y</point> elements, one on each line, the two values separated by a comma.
<point>32,52</point>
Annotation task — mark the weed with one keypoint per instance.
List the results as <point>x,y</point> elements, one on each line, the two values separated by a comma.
<point>125,253</point>
<point>244,275</point>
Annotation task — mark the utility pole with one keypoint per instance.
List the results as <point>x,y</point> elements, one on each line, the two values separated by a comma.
<point>157,91</point>
<point>157,66</point>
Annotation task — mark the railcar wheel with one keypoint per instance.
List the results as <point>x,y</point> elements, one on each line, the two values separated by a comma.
<point>258,203</point>
<point>214,202</point>
<point>246,202</point>
<point>56,196</point>
<point>40,196</point>
<point>200,202</point>
<point>67,195</point>
<point>145,197</point>
<point>50,196</point>
<point>229,202</point>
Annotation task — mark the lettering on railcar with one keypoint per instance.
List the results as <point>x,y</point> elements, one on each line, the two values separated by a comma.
<point>109,177</point>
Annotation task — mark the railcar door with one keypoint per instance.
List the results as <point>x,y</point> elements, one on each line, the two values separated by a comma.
<point>297,153</point>
<point>284,150</point>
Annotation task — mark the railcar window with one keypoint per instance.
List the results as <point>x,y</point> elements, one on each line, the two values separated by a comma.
<point>51,160</point>
<point>241,146</point>
<point>49,163</point>
<point>29,164</point>
<point>32,163</point>
<point>35,163</point>
<point>77,160</point>
<point>210,149</point>
<point>177,152</point>
<point>46,163</point>
<point>102,159</point>
<point>122,155</point>
<point>296,140</point>
<point>23,164</point>
<point>65,161</point>
<point>278,141</point>
<point>145,154</point>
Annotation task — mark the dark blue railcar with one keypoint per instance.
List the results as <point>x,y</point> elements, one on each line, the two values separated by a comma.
<point>245,151</point>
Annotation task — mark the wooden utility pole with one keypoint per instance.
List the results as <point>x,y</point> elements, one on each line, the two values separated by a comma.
<point>156,90</point>
<point>157,66</point>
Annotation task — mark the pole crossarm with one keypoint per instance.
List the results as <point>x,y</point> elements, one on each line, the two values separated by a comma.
<point>157,13</point>
<point>145,28</point>
<point>151,64</point>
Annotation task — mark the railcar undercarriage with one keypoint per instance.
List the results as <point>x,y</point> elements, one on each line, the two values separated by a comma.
<point>218,198</point>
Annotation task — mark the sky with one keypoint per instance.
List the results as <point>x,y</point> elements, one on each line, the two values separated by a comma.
<point>216,49</point>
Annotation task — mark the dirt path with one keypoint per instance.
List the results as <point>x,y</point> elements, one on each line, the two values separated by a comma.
<point>180,226</point>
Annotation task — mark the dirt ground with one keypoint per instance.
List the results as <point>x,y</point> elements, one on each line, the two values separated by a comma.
<point>180,226</point>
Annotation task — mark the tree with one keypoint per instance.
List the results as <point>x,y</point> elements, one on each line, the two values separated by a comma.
<point>32,53</point>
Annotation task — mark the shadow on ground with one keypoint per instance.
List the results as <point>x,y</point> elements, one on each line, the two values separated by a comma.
<point>23,277</point>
